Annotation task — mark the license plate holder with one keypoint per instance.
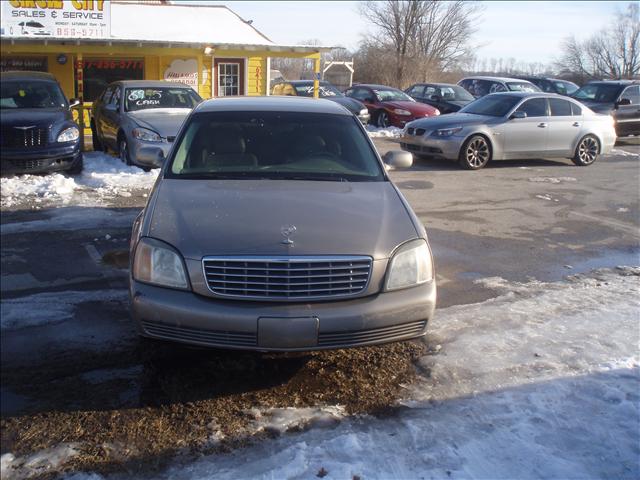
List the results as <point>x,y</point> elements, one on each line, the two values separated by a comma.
<point>292,332</point>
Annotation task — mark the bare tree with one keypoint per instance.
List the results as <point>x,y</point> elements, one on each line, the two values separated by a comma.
<point>418,37</point>
<point>613,52</point>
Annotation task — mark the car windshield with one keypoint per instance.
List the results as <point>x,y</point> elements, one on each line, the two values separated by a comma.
<point>598,92</point>
<point>566,88</point>
<point>140,98</point>
<point>522,87</point>
<point>495,105</point>
<point>389,95</point>
<point>455,93</point>
<point>31,94</point>
<point>324,90</point>
<point>274,145</point>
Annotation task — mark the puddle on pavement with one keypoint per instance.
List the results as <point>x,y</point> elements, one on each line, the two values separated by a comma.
<point>116,258</point>
<point>415,185</point>
<point>608,259</point>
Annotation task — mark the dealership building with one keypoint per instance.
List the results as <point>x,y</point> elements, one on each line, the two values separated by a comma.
<point>86,44</point>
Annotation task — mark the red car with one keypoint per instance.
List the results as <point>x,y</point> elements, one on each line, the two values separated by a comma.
<point>390,106</point>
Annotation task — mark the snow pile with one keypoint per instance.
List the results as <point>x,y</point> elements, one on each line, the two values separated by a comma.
<point>282,420</point>
<point>389,132</point>
<point>540,382</point>
<point>624,153</point>
<point>55,186</point>
<point>102,173</point>
<point>37,464</point>
<point>552,179</point>
<point>54,307</point>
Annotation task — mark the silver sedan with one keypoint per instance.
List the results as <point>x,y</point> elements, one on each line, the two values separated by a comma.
<point>513,125</point>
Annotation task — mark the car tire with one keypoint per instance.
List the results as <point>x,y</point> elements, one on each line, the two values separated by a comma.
<point>123,151</point>
<point>475,153</point>
<point>587,151</point>
<point>76,168</point>
<point>97,144</point>
<point>382,119</point>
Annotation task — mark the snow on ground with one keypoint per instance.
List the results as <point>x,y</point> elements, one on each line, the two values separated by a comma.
<point>39,463</point>
<point>103,175</point>
<point>540,382</point>
<point>389,132</point>
<point>54,307</point>
<point>552,179</point>
<point>624,153</point>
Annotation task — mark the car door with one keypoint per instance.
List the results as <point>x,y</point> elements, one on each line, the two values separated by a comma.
<point>628,115</point>
<point>563,128</point>
<point>527,137</point>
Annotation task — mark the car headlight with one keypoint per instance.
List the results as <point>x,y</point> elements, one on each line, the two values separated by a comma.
<point>400,111</point>
<point>146,135</point>
<point>364,111</point>
<point>436,112</point>
<point>160,264</point>
<point>410,265</point>
<point>69,134</point>
<point>446,132</point>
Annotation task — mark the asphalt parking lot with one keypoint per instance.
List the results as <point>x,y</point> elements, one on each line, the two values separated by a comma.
<point>87,379</point>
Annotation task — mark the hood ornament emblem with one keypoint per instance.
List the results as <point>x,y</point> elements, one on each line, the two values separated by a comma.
<point>287,231</point>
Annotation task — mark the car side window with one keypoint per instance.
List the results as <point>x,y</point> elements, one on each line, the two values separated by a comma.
<point>431,91</point>
<point>497,87</point>
<point>576,111</point>
<point>535,107</point>
<point>361,94</point>
<point>417,90</point>
<point>632,93</point>
<point>106,96</point>
<point>115,99</point>
<point>559,107</point>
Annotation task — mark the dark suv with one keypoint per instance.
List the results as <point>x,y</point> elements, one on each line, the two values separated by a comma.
<point>552,85</point>
<point>38,133</point>
<point>618,98</point>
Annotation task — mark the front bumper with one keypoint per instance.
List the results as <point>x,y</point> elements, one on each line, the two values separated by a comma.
<point>364,118</point>
<point>136,145</point>
<point>190,318</point>
<point>448,147</point>
<point>39,160</point>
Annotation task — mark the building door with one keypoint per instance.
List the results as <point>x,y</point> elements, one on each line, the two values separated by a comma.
<point>229,80</point>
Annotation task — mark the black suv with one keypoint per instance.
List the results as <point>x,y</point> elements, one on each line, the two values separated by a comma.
<point>445,97</point>
<point>552,85</point>
<point>38,133</point>
<point>618,98</point>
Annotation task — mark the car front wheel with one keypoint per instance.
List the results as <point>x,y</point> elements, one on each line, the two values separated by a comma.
<point>587,151</point>
<point>475,153</point>
<point>123,149</point>
<point>383,119</point>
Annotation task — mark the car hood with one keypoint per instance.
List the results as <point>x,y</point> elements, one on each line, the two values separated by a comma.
<point>452,120</point>
<point>20,117</point>
<point>245,217</point>
<point>598,107</point>
<point>165,121</point>
<point>415,108</point>
<point>351,104</point>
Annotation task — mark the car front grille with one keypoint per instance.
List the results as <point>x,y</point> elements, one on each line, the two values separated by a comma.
<point>287,278</point>
<point>416,131</point>
<point>196,335</point>
<point>29,164</point>
<point>373,335</point>
<point>24,137</point>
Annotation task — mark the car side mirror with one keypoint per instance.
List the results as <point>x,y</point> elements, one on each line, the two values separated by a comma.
<point>74,102</point>
<point>436,98</point>
<point>518,115</point>
<point>153,156</point>
<point>624,102</point>
<point>398,159</point>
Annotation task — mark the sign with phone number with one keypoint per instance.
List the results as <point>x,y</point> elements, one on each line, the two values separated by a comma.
<point>44,19</point>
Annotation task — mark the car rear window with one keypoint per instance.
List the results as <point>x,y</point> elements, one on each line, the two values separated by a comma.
<point>275,145</point>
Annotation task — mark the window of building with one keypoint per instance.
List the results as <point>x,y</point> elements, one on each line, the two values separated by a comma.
<point>100,72</point>
<point>34,64</point>
<point>229,79</point>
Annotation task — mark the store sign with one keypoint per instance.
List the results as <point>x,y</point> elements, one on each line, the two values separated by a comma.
<point>183,71</point>
<point>42,19</point>
<point>37,64</point>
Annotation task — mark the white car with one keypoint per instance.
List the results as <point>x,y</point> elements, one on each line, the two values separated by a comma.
<point>33,28</point>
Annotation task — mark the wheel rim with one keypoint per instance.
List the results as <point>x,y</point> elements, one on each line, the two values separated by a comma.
<point>123,151</point>
<point>588,150</point>
<point>477,152</point>
<point>383,120</point>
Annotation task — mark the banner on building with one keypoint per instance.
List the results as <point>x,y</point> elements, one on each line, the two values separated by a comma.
<point>42,19</point>
<point>183,71</point>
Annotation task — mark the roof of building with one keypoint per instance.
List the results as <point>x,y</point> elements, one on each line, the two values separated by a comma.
<point>271,104</point>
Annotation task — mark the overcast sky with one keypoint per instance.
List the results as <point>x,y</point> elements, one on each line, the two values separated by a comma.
<point>527,31</point>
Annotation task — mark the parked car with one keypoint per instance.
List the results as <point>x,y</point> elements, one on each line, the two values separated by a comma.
<point>133,114</point>
<point>618,98</point>
<point>38,133</point>
<point>274,226</point>
<point>513,125</point>
<point>481,86</point>
<point>390,106</point>
<point>445,97</point>
<point>304,88</point>
<point>552,85</point>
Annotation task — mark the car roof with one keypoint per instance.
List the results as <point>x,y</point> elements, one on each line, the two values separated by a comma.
<point>532,94</point>
<point>149,83</point>
<point>27,75</point>
<point>614,82</point>
<point>437,84</point>
<point>375,86</point>
<point>271,104</point>
<point>304,82</point>
<point>497,79</point>
<point>542,77</point>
